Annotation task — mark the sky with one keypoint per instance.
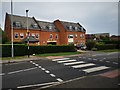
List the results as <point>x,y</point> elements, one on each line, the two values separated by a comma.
<point>96,16</point>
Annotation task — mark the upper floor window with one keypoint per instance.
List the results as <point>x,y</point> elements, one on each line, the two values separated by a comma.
<point>33,35</point>
<point>21,35</point>
<point>76,28</point>
<point>17,24</point>
<point>34,25</point>
<point>70,27</point>
<point>70,36</point>
<point>16,35</point>
<point>75,35</point>
<point>37,35</point>
<point>56,36</point>
<point>81,35</point>
<point>50,27</point>
<point>50,36</point>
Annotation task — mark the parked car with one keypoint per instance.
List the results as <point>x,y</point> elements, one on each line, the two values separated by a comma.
<point>83,48</point>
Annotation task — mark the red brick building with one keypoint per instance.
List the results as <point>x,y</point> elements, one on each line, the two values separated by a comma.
<point>57,32</point>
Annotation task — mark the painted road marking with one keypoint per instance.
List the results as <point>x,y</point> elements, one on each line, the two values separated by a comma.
<point>60,59</point>
<point>66,61</point>
<point>95,59</point>
<point>107,61</point>
<point>72,63</point>
<point>95,69</point>
<point>60,80</point>
<point>52,75</point>
<point>101,60</point>
<point>47,71</point>
<point>84,65</point>
<point>43,69</point>
<point>36,65</point>
<point>38,85</point>
<point>80,57</point>
<point>115,63</point>
<point>22,70</point>
<point>1,74</point>
<point>89,58</point>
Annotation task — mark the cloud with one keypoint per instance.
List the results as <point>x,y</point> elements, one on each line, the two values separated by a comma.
<point>94,16</point>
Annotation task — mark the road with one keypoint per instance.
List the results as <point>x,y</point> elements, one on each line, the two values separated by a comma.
<point>48,72</point>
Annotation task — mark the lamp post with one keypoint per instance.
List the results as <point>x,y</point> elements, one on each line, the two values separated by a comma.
<point>12,49</point>
<point>27,32</point>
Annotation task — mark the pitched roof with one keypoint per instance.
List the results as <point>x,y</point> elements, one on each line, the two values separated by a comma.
<point>22,21</point>
<point>70,26</point>
<point>47,26</point>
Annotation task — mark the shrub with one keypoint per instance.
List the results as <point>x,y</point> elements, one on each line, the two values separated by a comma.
<point>105,46</point>
<point>94,49</point>
<point>90,44</point>
<point>21,49</point>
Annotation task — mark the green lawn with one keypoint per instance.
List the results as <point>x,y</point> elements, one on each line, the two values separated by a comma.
<point>58,54</point>
<point>42,55</point>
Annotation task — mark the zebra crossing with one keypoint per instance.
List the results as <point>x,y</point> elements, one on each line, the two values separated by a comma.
<point>81,65</point>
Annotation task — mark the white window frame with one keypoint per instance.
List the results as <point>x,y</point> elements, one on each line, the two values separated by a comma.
<point>36,36</point>
<point>21,34</point>
<point>15,35</point>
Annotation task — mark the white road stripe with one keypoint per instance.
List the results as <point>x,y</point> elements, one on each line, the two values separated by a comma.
<point>107,61</point>
<point>80,57</point>
<point>72,63</point>
<point>36,65</point>
<point>95,69</point>
<point>89,58</point>
<point>52,75</point>
<point>115,63</point>
<point>101,60</point>
<point>83,65</point>
<point>1,74</point>
<point>66,61</point>
<point>60,80</point>
<point>31,61</point>
<point>30,69</point>
<point>95,59</point>
<point>43,68</point>
<point>37,85</point>
<point>15,72</point>
<point>47,71</point>
<point>40,67</point>
<point>22,70</point>
<point>60,59</point>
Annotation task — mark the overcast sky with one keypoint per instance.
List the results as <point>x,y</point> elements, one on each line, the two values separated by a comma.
<point>95,17</point>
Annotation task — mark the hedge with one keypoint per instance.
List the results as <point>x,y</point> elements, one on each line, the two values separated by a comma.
<point>20,50</point>
<point>106,46</point>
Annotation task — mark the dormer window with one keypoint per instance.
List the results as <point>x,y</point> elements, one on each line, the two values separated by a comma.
<point>17,24</point>
<point>50,27</point>
<point>70,27</point>
<point>35,26</point>
<point>76,28</point>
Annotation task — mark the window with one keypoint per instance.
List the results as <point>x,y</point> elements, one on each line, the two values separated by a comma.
<point>70,36</point>
<point>56,36</point>
<point>17,24</point>
<point>76,28</point>
<point>70,27</point>
<point>37,35</point>
<point>16,35</point>
<point>33,35</point>
<point>75,35</point>
<point>50,27</point>
<point>81,35</point>
<point>50,36</point>
<point>21,35</point>
<point>35,26</point>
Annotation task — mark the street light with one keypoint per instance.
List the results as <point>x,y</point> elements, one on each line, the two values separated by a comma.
<point>12,49</point>
<point>27,32</point>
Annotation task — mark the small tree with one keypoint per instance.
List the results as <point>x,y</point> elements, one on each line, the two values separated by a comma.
<point>90,44</point>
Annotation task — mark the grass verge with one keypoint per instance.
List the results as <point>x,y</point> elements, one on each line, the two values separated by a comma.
<point>41,55</point>
<point>58,54</point>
